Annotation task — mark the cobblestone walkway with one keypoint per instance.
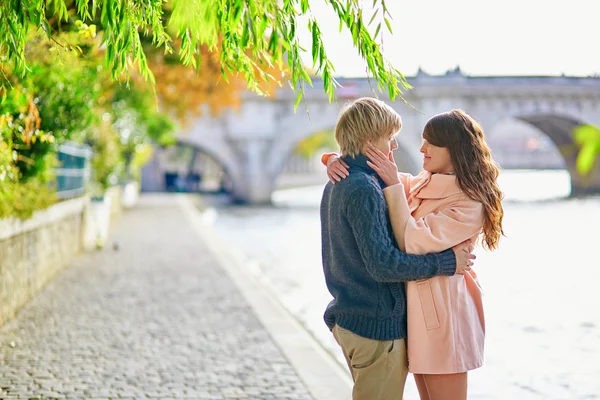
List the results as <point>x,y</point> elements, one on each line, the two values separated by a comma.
<point>155,319</point>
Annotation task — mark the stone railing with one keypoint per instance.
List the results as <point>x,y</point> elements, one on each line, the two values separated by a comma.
<point>33,251</point>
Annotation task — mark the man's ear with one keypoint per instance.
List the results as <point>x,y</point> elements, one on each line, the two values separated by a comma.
<point>363,148</point>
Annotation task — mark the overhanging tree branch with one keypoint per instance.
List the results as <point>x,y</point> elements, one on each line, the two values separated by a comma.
<point>253,35</point>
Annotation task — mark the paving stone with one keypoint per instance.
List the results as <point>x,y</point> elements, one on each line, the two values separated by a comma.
<point>157,319</point>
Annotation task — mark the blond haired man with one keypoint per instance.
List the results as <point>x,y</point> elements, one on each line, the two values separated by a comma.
<point>364,269</point>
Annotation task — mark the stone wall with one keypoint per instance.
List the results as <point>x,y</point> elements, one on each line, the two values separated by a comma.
<point>32,252</point>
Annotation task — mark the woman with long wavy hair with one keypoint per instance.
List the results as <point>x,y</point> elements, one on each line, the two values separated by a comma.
<point>455,198</point>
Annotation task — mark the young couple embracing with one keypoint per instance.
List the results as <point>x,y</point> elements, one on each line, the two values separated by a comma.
<point>397,251</point>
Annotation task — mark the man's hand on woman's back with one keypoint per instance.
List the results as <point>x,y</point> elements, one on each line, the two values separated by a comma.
<point>464,256</point>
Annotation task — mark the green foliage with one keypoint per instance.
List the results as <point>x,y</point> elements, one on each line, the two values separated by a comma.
<point>8,171</point>
<point>32,149</point>
<point>252,35</point>
<point>68,95</point>
<point>26,157</point>
<point>140,158</point>
<point>137,116</point>
<point>21,200</point>
<point>588,139</point>
<point>106,158</point>
<point>320,140</point>
<point>54,102</point>
<point>68,85</point>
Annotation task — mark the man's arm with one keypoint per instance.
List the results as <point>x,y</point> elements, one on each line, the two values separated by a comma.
<point>366,215</point>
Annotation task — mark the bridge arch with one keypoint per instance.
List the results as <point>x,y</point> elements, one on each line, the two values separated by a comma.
<point>225,160</point>
<point>185,166</point>
<point>559,129</point>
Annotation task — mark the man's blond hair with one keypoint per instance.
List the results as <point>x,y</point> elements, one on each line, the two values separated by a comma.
<point>365,119</point>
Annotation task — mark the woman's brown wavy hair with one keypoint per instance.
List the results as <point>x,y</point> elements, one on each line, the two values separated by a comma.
<point>476,171</point>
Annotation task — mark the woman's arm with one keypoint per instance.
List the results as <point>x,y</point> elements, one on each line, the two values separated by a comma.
<point>461,220</point>
<point>337,169</point>
<point>326,157</point>
<point>405,179</point>
<point>396,199</point>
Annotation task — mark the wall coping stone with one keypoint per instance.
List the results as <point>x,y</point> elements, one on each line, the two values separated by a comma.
<point>10,227</point>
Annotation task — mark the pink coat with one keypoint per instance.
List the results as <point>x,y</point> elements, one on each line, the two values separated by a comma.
<point>446,326</point>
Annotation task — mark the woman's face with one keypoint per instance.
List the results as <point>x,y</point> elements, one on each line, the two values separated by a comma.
<point>386,145</point>
<point>436,159</point>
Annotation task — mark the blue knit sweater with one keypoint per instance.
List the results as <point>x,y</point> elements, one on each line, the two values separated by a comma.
<point>364,269</point>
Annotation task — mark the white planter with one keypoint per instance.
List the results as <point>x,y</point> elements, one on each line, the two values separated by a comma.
<point>130,194</point>
<point>97,223</point>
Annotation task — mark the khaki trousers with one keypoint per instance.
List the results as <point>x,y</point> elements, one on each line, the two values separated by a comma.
<point>379,368</point>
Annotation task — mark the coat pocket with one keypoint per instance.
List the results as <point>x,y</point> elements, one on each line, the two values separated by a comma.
<point>428,305</point>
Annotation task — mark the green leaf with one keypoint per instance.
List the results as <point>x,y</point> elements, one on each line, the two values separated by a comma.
<point>298,100</point>
<point>377,30</point>
<point>315,42</point>
<point>586,134</point>
<point>322,56</point>
<point>104,18</point>
<point>373,18</point>
<point>389,26</point>
<point>245,36</point>
<point>588,139</point>
<point>354,30</point>
<point>304,6</point>
<point>585,159</point>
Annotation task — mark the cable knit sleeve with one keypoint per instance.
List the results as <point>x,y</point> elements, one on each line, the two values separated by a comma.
<point>462,219</point>
<point>366,214</point>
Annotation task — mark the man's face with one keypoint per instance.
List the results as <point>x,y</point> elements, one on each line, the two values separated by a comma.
<point>386,145</point>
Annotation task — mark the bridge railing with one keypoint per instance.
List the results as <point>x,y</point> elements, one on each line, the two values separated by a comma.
<point>73,173</point>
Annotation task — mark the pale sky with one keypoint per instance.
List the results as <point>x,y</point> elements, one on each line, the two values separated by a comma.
<point>483,37</point>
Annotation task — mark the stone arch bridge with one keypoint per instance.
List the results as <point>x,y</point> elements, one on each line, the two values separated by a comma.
<point>253,143</point>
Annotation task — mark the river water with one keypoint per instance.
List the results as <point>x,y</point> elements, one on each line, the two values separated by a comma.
<point>541,291</point>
